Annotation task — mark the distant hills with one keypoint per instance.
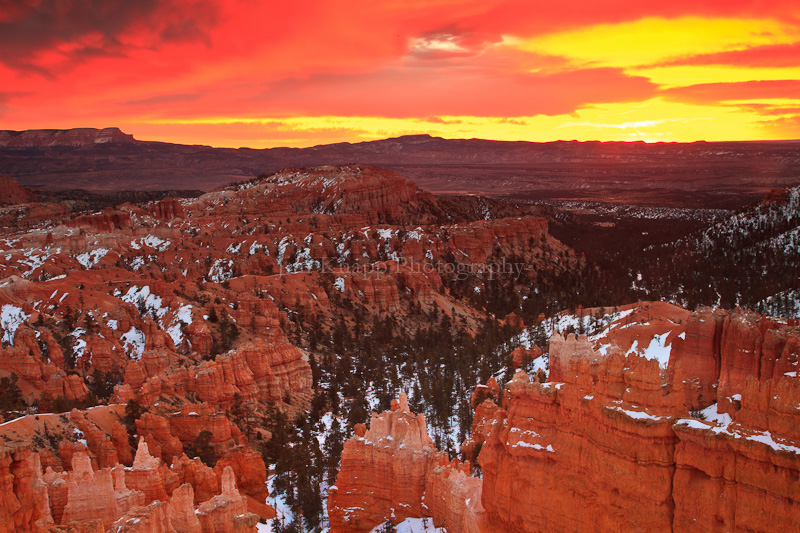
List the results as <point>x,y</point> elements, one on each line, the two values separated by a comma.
<point>719,174</point>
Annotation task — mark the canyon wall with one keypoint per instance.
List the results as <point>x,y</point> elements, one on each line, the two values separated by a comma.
<point>664,420</point>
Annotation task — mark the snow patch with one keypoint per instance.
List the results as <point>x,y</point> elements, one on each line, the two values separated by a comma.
<point>133,342</point>
<point>11,317</point>
<point>659,350</point>
<point>415,234</point>
<point>636,415</point>
<point>144,300</point>
<point>220,270</point>
<point>413,525</point>
<point>183,316</point>
<point>386,234</point>
<point>151,241</point>
<point>339,284</point>
<point>710,414</point>
<point>90,259</point>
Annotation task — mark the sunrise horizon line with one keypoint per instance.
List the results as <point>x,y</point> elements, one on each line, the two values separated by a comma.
<point>161,140</point>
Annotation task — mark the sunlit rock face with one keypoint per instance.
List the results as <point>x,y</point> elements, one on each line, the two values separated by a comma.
<point>661,420</point>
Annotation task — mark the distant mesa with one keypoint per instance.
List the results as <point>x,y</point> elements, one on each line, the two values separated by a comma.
<point>725,175</point>
<point>71,137</point>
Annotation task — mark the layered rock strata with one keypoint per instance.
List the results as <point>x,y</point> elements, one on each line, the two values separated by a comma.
<point>663,420</point>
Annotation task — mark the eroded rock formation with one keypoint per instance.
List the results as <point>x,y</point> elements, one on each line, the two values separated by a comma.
<point>146,497</point>
<point>662,420</point>
<point>392,470</point>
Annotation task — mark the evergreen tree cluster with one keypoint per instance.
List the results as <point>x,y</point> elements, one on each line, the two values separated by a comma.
<point>741,260</point>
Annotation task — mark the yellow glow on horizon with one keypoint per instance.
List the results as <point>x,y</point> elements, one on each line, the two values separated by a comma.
<point>651,121</point>
<point>650,41</point>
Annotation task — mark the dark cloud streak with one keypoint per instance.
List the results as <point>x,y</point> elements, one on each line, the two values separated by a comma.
<point>89,28</point>
<point>6,96</point>
<point>163,99</point>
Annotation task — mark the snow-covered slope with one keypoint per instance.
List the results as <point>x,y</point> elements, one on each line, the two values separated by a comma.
<point>750,259</point>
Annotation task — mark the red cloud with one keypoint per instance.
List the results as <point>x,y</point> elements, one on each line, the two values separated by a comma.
<point>394,93</point>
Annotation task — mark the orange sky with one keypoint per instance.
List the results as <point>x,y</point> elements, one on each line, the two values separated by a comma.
<point>304,72</point>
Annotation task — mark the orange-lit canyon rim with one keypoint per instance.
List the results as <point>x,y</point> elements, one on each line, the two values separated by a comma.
<point>260,74</point>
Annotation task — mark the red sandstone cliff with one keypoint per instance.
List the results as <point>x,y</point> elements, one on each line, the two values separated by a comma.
<point>612,445</point>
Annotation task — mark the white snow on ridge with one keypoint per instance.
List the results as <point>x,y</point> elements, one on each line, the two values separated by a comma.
<point>256,246</point>
<point>34,258</point>
<point>633,349</point>
<point>11,317</point>
<point>386,233</point>
<point>764,437</point>
<point>90,259</point>
<point>339,284</point>
<point>614,321</point>
<point>182,316</point>
<point>636,415</point>
<point>710,413</point>
<point>415,234</point>
<point>79,347</point>
<point>519,435</point>
<point>151,241</point>
<point>595,327</point>
<point>285,242</point>
<point>414,525</point>
<point>658,350</point>
<point>219,270</point>
<point>303,261</point>
<point>538,447</point>
<point>151,302</point>
<point>133,342</point>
